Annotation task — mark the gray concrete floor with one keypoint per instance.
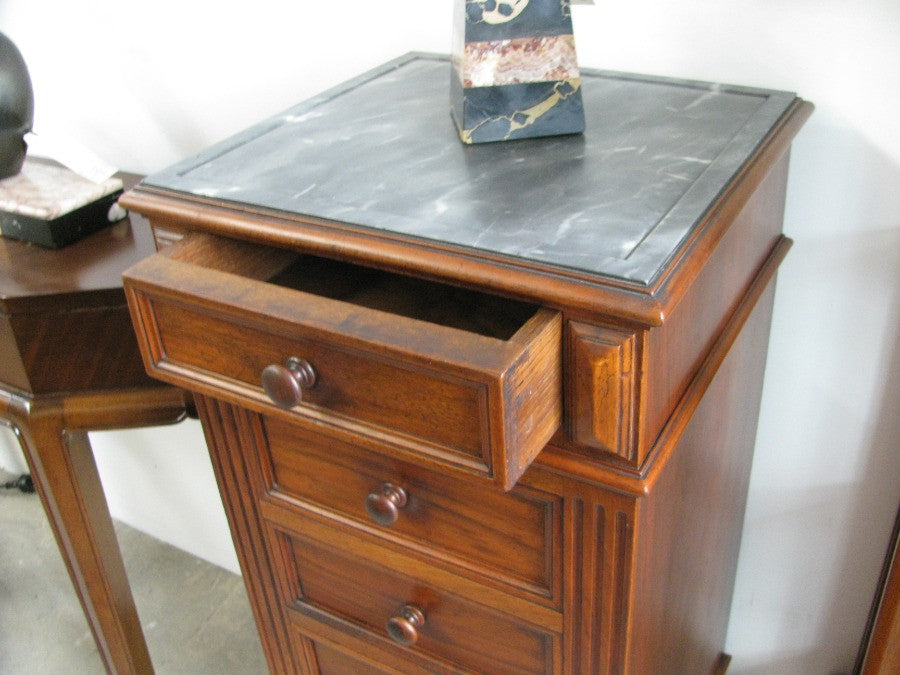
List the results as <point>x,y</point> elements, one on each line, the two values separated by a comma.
<point>196,616</point>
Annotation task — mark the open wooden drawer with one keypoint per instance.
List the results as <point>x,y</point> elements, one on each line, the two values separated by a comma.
<point>432,371</point>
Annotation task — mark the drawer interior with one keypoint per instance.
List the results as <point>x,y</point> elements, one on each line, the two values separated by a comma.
<point>429,301</point>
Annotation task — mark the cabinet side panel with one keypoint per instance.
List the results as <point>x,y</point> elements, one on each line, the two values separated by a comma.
<point>692,325</point>
<point>100,339</point>
<point>691,522</point>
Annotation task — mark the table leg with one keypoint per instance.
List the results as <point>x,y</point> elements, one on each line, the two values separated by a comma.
<point>65,475</point>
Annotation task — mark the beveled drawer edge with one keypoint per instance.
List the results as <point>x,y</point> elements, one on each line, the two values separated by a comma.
<point>553,286</point>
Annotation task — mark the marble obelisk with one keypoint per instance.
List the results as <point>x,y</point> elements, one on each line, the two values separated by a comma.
<point>515,70</point>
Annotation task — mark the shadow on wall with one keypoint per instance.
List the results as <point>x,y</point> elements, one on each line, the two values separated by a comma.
<point>826,481</point>
<point>869,508</point>
<point>858,516</point>
<point>881,489</point>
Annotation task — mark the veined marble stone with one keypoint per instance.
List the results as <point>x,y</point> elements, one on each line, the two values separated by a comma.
<point>515,70</point>
<point>378,153</point>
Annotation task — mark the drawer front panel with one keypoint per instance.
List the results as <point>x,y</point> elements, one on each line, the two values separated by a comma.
<point>482,394</point>
<point>330,661</point>
<point>341,587</point>
<point>512,534</point>
<point>354,385</point>
<point>327,650</point>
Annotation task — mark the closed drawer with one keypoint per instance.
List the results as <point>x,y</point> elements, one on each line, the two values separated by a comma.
<point>342,590</point>
<point>334,657</point>
<point>325,659</point>
<point>457,376</point>
<point>333,652</point>
<point>512,537</point>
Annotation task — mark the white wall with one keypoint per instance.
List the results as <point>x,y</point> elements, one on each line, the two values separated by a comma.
<point>145,84</point>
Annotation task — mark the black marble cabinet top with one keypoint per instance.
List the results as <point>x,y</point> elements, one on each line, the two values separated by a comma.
<point>382,152</point>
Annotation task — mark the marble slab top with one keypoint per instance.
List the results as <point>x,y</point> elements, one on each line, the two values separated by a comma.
<point>381,152</point>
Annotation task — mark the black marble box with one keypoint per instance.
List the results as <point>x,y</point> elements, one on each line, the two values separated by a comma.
<point>48,205</point>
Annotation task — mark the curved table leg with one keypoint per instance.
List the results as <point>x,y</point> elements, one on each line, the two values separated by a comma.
<point>65,475</point>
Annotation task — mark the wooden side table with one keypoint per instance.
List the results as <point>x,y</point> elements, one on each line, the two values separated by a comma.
<point>69,363</point>
<point>479,409</point>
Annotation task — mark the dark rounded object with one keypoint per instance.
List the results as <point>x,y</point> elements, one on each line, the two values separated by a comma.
<point>403,628</point>
<point>16,107</point>
<point>285,384</point>
<point>383,505</point>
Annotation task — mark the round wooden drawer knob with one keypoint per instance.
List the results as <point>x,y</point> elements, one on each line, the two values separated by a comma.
<point>403,628</point>
<point>285,384</point>
<point>384,504</point>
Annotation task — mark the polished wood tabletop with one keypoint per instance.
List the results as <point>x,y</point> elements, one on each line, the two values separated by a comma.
<point>34,278</point>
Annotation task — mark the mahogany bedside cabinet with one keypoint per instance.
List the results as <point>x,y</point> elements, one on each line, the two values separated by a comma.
<point>478,408</point>
<point>69,363</point>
